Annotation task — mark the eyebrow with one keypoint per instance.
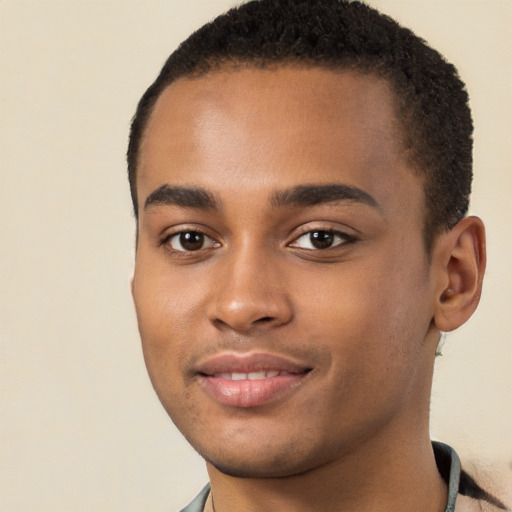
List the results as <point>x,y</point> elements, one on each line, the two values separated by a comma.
<point>188,197</point>
<point>311,195</point>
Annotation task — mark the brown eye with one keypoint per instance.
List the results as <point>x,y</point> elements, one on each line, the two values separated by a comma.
<point>321,239</point>
<point>190,241</point>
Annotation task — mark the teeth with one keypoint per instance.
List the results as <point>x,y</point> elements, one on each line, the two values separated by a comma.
<point>256,375</point>
<point>251,375</point>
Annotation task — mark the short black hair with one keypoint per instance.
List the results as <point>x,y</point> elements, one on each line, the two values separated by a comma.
<point>431,100</point>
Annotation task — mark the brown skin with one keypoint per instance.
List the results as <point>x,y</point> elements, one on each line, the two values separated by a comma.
<point>364,314</point>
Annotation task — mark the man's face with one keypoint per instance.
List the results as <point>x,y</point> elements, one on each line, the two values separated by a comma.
<point>282,289</point>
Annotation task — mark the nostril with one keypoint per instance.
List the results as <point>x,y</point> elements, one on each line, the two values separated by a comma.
<point>264,320</point>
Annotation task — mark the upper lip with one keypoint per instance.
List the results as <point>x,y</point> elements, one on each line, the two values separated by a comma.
<point>232,362</point>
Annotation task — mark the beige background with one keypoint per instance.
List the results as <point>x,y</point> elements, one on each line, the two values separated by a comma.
<point>80,427</point>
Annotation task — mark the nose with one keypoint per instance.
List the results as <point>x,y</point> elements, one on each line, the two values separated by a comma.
<point>250,293</point>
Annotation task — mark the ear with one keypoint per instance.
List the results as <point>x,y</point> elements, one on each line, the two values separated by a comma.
<point>460,260</point>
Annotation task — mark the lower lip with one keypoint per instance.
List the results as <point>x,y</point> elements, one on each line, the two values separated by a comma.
<point>250,393</point>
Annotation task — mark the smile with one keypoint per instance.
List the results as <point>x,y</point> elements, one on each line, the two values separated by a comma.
<point>250,380</point>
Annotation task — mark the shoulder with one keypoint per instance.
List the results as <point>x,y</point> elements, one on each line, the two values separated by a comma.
<point>464,493</point>
<point>473,494</point>
<point>467,504</point>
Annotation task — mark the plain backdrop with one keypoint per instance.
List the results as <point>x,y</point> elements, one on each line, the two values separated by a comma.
<point>80,427</point>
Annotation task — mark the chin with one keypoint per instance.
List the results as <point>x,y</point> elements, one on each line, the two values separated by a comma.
<point>266,462</point>
<point>249,469</point>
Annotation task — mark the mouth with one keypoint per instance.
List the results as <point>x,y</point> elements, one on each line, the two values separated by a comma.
<point>250,380</point>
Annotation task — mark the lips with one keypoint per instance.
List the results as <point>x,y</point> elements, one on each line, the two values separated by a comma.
<point>250,380</point>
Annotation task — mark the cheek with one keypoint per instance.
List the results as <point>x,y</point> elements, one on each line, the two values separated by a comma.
<point>375,314</point>
<point>371,329</point>
<point>166,310</point>
<point>166,299</point>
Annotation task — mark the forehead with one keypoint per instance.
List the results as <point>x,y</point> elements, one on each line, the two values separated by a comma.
<point>274,127</point>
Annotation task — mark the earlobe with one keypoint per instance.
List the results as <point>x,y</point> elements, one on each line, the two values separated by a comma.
<point>461,258</point>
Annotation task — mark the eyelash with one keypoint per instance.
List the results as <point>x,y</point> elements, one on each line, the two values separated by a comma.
<point>344,239</point>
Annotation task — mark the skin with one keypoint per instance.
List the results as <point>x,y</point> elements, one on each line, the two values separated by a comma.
<point>363,315</point>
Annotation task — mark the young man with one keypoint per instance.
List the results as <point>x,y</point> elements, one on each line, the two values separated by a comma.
<point>300,172</point>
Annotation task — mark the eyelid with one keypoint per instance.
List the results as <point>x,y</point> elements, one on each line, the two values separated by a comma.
<point>184,228</point>
<point>310,227</point>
